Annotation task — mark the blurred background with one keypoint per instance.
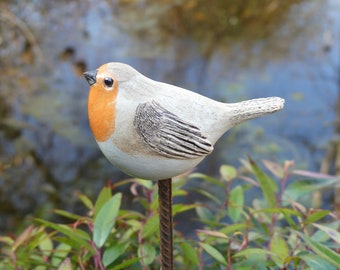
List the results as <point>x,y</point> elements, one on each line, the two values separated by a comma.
<point>227,50</point>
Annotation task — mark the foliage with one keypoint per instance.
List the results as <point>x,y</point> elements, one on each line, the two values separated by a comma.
<point>277,230</point>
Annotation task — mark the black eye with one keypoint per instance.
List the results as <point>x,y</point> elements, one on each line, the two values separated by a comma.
<point>108,82</point>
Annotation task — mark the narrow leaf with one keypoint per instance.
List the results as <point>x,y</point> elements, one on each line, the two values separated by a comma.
<point>267,184</point>
<point>213,233</point>
<point>60,253</point>
<point>315,175</point>
<point>67,214</point>
<point>6,239</point>
<point>151,226</point>
<point>112,253</point>
<point>235,203</point>
<point>321,236</point>
<point>179,192</point>
<point>204,213</point>
<point>77,236</point>
<point>126,264</point>
<point>284,211</point>
<point>315,262</point>
<point>85,200</point>
<point>232,228</point>
<point>316,216</point>
<point>207,178</point>
<point>207,194</point>
<point>254,251</point>
<point>147,253</point>
<point>45,244</point>
<point>65,265</point>
<point>213,252</point>
<point>190,253</point>
<point>279,246</point>
<point>334,234</point>
<point>23,237</point>
<point>105,219</point>
<point>302,187</point>
<point>104,196</point>
<point>321,250</point>
<point>178,208</point>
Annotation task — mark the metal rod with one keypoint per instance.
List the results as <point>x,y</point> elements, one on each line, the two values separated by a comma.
<point>165,223</point>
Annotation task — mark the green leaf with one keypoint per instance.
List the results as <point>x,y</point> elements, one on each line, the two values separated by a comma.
<point>78,237</point>
<point>178,182</point>
<point>179,192</point>
<point>322,236</point>
<point>316,216</point>
<point>105,219</point>
<point>85,200</point>
<point>6,239</point>
<point>147,253</point>
<point>315,262</point>
<point>190,254</point>
<point>300,188</point>
<point>45,244</point>
<point>60,253</point>
<point>66,265</point>
<point>67,214</point>
<point>151,226</point>
<point>145,183</point>
<point>235,203</point>
<point>254,251</point>
<point>126,264</point>
<point>232,228</point>
<point>204,213</point>
<point>228,172</point>
<point>213,252</point>
<point>207,178</point>
<point>113,252</point>
<point>23,237</point>
<point>207,194</point>
<point>153,206</point>
<point>104,196</point>
<point>284,211</point>
<point>323,251</point>
<point>334,234</point>
<point>279,247</point>
<point>211,233</point>
<point>251,263</point>
<point>267,184</point>
<point>178,208</point>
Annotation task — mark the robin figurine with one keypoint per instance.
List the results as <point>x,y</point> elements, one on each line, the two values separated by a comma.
<point>153,130</point>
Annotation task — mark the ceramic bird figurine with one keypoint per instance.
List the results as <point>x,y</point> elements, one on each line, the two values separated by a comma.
<point>153,130</point>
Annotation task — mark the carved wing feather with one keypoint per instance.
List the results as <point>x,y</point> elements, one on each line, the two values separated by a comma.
<point>169,135</point>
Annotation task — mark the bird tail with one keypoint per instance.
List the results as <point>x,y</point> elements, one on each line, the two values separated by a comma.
<point>249,109</point>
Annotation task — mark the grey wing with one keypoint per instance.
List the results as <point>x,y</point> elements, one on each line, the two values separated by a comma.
<point>169,135</point>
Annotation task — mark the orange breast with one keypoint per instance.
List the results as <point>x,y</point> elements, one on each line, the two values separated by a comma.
<point>102,111</point>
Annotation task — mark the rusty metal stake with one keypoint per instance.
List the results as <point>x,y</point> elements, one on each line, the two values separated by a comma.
<point>165,223</point>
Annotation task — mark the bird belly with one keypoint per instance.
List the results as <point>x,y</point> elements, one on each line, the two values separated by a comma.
<point>149,167</point>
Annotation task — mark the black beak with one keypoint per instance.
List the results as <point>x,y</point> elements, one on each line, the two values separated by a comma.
<point>90,76</point>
